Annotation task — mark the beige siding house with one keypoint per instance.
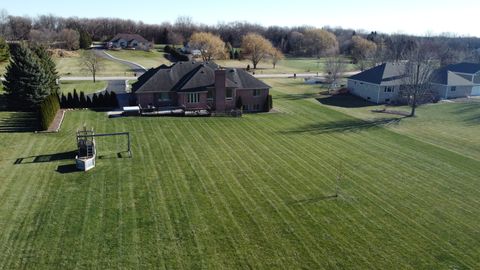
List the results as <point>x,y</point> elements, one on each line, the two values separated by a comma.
<point>457,81</point>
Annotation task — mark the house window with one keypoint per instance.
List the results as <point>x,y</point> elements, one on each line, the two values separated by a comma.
<point>229,94</point>
<point>388,89</point>
<point>193,97</point>
<point>387,100</point>
<point>256,92</point>
<point>453,89</point>
<point>256,107</point>
<point>164,97</point>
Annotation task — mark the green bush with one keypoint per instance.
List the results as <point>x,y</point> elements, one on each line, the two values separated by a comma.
<point>269,103</point>
<point>48,109</point>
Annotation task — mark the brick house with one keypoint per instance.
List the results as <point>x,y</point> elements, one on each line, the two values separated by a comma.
<point>201,86</point>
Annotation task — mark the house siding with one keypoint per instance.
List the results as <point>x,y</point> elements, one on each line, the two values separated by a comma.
<point>364,90</point>
<point>444,91</point>
<point>249,100</point>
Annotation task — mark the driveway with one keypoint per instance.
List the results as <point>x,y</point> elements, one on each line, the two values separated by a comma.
<point>135,67</point>
<point>120,89</point>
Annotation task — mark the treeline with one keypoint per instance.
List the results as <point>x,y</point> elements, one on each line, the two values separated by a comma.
<point>77,100</point>
<point>290,40</point>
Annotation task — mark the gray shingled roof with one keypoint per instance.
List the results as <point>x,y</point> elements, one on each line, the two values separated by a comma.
<point>192,76</point>
<point>384,74</point>
<point>468,68</point>
<point>446,77</point>
<point>129,37</point>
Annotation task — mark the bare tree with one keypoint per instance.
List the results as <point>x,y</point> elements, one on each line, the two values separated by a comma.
<point>362,50</point>
<point>210,46</point>
<point>256,48</point>
<point>418,68</point>
<point>70,38</point>
<point>92,63</point>
<point>320,42</point>
<point>277,56</point>
<point>335,66</point>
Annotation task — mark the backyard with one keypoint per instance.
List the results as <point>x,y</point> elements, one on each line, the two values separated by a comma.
<point>252,192</point>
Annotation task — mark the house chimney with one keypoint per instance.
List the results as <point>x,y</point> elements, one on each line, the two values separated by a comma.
<point>220,90</point>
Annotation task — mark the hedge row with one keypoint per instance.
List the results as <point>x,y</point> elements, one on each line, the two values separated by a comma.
<point>176,54</point>
<point>77,101</point>
<point>269,104</point>
<point>48,109</point>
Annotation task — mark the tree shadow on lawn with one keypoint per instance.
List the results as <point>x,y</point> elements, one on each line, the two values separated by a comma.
<point>297,96</point>
<point>471,112</point>
<point>345,101</point>
<point>350,125</point>
<point>46,158</point>
<point>19,122</point>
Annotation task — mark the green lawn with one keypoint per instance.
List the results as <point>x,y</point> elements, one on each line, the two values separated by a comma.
<point>252,192</point>
<point>148,60</point>
<point>72,66</point>
<point>289,65</point>
<point>87,87</point>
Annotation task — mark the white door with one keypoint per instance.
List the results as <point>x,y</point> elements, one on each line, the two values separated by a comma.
<point>475,91</point>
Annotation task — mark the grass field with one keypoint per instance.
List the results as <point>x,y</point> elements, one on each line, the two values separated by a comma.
<point>87,87</point>
<point>289,65</point>
<point>148,60</point>
<point>251,192</point>
<point>72,66</point>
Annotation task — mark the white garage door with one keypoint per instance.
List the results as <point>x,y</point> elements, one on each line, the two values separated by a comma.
<point>476,91</point>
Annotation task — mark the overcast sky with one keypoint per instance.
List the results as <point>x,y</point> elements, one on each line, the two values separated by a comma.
<point>407,16</point>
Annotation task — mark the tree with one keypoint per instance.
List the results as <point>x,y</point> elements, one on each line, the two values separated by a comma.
<point>277,55</point>
<point>256,48</point>
<point>85,40</point>
<point>418,68</point>
<point>49,67</point>
<point>92,63</point>
<point>70,38</point>
<point>320,42</point>
<point>4,50</point>
<point>175,39</point>
<point>362,49</point>
<point>211,46</point>
<point>334,67</point>
<point>26,82</point>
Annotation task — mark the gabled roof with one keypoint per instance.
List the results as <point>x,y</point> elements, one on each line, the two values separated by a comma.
<point>446,77</point>
<point>129,38</point>
<point>384,74</point>
<point>467,68</point>
<point>192,76</point>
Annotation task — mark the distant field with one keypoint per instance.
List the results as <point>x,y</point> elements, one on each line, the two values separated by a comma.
<point>149,59</point>
<point>82,86</point>
<point>289,65</point>
<point>243,193</point>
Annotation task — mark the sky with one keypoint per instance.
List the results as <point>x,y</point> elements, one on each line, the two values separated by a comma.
<point>419,17</point>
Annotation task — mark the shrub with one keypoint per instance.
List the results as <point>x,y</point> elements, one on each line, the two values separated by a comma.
<point>48,109</point>
<point>83,101</point>
<point>176,54</point>
<point>75,100</point>
<point>269,103</point>
<point>113,100</point>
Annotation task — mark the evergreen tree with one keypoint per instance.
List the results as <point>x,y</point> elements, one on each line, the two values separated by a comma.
<point>236,55</point>
<point>4,50</point>
<point>63,101</point>
<point>76,99</point>
<point>26,82</point>
<point>95,101</point>
<point>69,100</point>
<point>50,68</point>
<point>83,100</point>
<point>113,100</point>
<point>85,40</point>
<point>88,103</point>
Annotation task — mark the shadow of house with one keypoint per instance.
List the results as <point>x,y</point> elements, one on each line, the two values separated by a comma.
<point>19,122</point>
<point>345,101</point>
<point>351,125</point>
<point>46,158</point>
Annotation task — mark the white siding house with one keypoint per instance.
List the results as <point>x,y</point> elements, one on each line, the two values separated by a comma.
<point>380,84</point>
<point>456,81</point>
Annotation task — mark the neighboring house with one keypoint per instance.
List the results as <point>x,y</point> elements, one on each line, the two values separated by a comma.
<point>129,41</point>
<point>189,50</point>
<point>201,86</point>
<point>380,84</point>
<point>457,80</point>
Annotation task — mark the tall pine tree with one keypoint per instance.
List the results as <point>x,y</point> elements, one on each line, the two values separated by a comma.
<point>50,68</point>
<point>26,81</point>
<point>85,40</point>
